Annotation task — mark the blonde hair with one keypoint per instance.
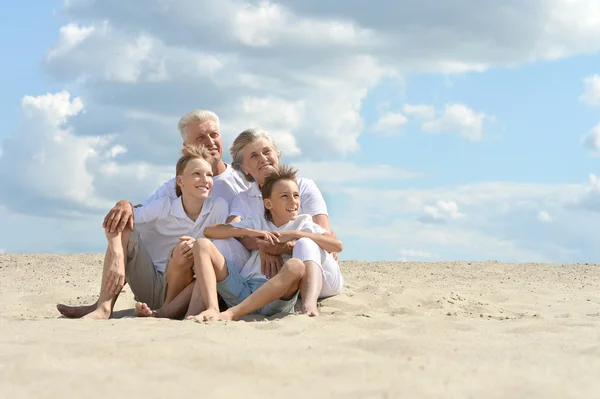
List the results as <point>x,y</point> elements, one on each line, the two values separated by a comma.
<point>241,141</point>
<point>199,115</point>
<point>188,153</point>
<point>283,172</point>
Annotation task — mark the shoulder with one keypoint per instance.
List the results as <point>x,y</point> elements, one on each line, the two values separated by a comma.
<point>307,185</point>
<point>217,203</point>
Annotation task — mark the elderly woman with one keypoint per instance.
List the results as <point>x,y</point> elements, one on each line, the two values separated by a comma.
<point>255,154</point>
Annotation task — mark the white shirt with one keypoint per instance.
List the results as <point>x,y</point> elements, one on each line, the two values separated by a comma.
<point>226,185</point>
<point>302,223</point>
<point>250,202</point>
<point>164,220</point>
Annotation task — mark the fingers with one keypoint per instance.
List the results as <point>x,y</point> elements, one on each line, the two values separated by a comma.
<point>335,256</point>
<point>107,219</point>
<point>186,238</point>
<point>263,264</point>
<point>115,221</point>
<point>130,222</point>
<point>122,223</point>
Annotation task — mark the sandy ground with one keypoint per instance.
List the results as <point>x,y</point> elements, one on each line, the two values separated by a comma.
<point>418,330</point>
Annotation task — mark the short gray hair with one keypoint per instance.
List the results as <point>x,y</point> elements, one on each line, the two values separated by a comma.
<point>199,115</point>
<point>241,141</point>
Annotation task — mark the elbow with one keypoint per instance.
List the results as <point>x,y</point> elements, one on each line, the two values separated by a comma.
<point>339,247</point>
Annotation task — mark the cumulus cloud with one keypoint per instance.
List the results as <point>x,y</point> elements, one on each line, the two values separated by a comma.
<point>591,93</point>
<point>2,251</point>
<point>441,212</point>
<point>544,216</point>
<point>592,140</point>
<point>390,123</point>
<point>501,220</point>
<point>419,110</point>
<point>336,173</point>
<point>458,118</point>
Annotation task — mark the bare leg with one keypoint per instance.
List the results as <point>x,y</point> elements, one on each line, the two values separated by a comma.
<point>283,285</point>
<point>310,287</point>
<point>210,267</point>
<point>75,312</point>
<point>115,257</point>
<point>173,310</point>
<point>196,304</point>
<point>178,275</point>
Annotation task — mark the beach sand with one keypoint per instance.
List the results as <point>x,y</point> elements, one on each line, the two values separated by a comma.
<point>414,330</point>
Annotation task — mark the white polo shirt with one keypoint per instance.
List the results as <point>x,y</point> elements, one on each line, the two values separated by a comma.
<point>164,220</point>
<point>250,202</point>
<point>226,185</point>
<point>302,223</point>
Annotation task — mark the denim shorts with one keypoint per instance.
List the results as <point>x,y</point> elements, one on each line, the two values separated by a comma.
<point>235,288</point>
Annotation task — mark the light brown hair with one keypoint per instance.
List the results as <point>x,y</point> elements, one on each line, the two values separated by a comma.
<point>188,153</point>
<point>283,172</point>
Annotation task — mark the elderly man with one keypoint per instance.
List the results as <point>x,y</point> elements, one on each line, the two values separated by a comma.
<point>198,127</point>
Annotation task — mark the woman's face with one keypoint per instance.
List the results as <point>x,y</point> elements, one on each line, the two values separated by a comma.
<point>259,160</point>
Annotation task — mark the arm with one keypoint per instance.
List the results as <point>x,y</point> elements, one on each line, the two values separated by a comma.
<point>221,231</point>
<point>326,241</point>
<point>249,243</point>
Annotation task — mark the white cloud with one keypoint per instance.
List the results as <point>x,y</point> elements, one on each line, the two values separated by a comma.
<point>502,222</point>
<point>337,173</point>
<point>591,94</point>
<point>458,118</point>
<point>544,216</point>
<point>420,110</point>
<point>2,251</point>
<point>592,140</point>
<point>390,123</point>
<point>442,211</point>
<point>415,254</point>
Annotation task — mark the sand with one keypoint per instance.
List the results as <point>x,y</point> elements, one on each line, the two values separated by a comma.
<point>418,330</point>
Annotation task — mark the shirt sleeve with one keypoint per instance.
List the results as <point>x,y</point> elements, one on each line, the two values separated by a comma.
<point>247,223</point>
<point>219,212</point>
<point>149,214</point>
<point>311,227</point>
<point>312,200</point>
<point>237,207</point>
<point>166,190</point>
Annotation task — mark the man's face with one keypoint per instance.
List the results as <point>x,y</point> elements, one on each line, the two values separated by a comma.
<point>206,134</point>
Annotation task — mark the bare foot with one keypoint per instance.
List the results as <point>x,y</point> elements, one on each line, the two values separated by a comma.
<point>227,315</point>
<point>209,315</point>
<point>75,312</point>
<point>143,310</point>
<point>310,311</point>
<point>99,314</point>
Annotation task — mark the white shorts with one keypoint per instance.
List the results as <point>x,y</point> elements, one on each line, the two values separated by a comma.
<point>306,249</point>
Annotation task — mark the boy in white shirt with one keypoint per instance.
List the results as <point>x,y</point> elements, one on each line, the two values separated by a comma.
<point>139,257</point>
<point>247,290</point>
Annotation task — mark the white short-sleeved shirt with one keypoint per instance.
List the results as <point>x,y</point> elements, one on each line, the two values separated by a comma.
<point>302,223</point>
<point>250,202</point>
<point>164,220</point>
<point>226,185</point>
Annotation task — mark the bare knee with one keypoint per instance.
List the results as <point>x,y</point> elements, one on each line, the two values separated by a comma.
<point>295,267</point>
<point>202,245</point>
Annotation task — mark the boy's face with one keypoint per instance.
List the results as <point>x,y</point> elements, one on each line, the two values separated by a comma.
<point>284,203</point>
<point>196,180</point>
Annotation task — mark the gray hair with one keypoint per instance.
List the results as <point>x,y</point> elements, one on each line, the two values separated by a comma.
<point>241,141</point>
<point>198,115</point>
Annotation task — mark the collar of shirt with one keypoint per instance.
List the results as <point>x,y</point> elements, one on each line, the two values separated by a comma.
<point>254,191</point>
<point>178,211</point>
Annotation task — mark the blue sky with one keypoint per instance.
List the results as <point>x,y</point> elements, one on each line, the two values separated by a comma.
<point>432,135</point>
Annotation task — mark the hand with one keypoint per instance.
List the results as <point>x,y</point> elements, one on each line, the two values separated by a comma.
<point>271,238</point>
<point>275,249</point>
<point>335,256</point>
<point>183,251</point>
<point>115,279</point>
<point>285,236</point>
<point>118,217</point>
<point>270,264</point>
